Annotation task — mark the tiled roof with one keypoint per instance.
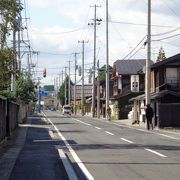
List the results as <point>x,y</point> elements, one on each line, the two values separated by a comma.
<point>167,60</point>
<point>129,66</point>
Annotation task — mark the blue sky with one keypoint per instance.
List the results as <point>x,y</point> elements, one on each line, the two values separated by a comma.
<point>55,27</point>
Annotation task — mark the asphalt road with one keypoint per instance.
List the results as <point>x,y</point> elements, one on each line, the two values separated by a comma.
<point>103,150</point>
<point>37,158</point>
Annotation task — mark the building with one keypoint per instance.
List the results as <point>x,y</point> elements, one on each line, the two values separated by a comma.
<point>128,81</point>
<point>165,93</point>
<point>87,97</point>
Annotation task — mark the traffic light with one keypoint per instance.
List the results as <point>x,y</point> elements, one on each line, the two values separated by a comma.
<point>44,72</point>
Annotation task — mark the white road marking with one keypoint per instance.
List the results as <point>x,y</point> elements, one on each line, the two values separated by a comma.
<point>171,137</point>
<point>45,140</point>
<point>67,165</point>
<point>127,140</point>
<point>125,126</point>
<point>109,133</point>
<point>142,130</point>
<point>74,155</point>
<point>155,152</point>
<point>51,134</point>
<point>97,127</point>
<point>35,126</point>
<point>44,119</point>
<point>82,122</point>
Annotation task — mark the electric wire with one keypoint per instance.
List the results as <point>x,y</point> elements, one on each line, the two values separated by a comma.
<point>134,48</point>
<point>167,37</point>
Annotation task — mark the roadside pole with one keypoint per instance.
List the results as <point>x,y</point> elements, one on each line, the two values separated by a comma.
<point>148,68</point>
<point>107,59</point>
<point>82,88</point>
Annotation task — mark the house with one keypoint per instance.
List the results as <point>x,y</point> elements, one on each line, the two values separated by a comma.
<point>87,96</point>
<point>128,81</point>
<point>165,93</point>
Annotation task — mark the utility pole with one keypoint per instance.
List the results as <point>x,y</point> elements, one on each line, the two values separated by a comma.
<point>39,96</point>
<point>98,93</point>
<point>94,62</point>
<point>59,81</point>
<point>19,43</point>
<point>75,68</point>
<point>62,77</point>
<point>82,90</point>
<point>65,89</point>
<point>69,84</point>
<point>148,68</point>
<point>107,58</point>
<point>29,66</point>
<point>13,75</point>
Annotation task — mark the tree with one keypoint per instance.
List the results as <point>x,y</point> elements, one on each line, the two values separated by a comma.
<point>6,67</point>
<point>61,93</point>
<point>102,72</point>
<point>26,89</point>
<point>161,56</point>
<point>8,10</point>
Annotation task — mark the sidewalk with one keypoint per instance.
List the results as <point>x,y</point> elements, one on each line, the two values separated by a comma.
<point>31,154</point>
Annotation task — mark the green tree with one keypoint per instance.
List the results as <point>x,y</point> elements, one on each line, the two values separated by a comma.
<point>26,89</point>
<point>161,55</point>
<point>6,67</point>
<point>102,72</point>
<point>61,93</point>
<point>8,10</point>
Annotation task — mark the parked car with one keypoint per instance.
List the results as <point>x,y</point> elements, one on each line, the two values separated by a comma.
<point>66,109</point>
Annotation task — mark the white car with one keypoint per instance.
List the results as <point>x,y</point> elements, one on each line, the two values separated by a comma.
<point>66,109</point>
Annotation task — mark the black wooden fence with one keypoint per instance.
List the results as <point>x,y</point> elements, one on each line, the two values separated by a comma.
<point>169,115</point>
<point>8,117</point>
<point>3,114</point>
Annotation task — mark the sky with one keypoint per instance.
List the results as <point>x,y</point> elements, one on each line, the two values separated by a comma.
<point>56,26</point>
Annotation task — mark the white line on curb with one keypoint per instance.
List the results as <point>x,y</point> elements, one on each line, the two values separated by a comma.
<point>51,134</point>
<point>155,152</point>
<point>127,140</point>
<point>74,155</point>
<point>109,133</point>
<point>67,165</point>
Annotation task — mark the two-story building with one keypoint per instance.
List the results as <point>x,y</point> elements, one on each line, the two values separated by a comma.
<point>165,93</point>
<point>128,81</point>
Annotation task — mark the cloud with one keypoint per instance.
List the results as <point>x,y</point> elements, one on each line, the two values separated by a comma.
<point>70,15</point>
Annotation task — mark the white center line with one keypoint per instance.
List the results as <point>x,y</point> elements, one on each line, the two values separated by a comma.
<point>127,140</point>
<point>82,122</point>
<point>109,133</point>
<point>155,152</point>
<point>98,128</point>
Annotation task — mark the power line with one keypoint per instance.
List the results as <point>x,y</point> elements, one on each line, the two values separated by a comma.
<point>59,33</point>
<point>140,24</point>
<point>161,34</point>
<point>166,37</point>
<point>135,48</point>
